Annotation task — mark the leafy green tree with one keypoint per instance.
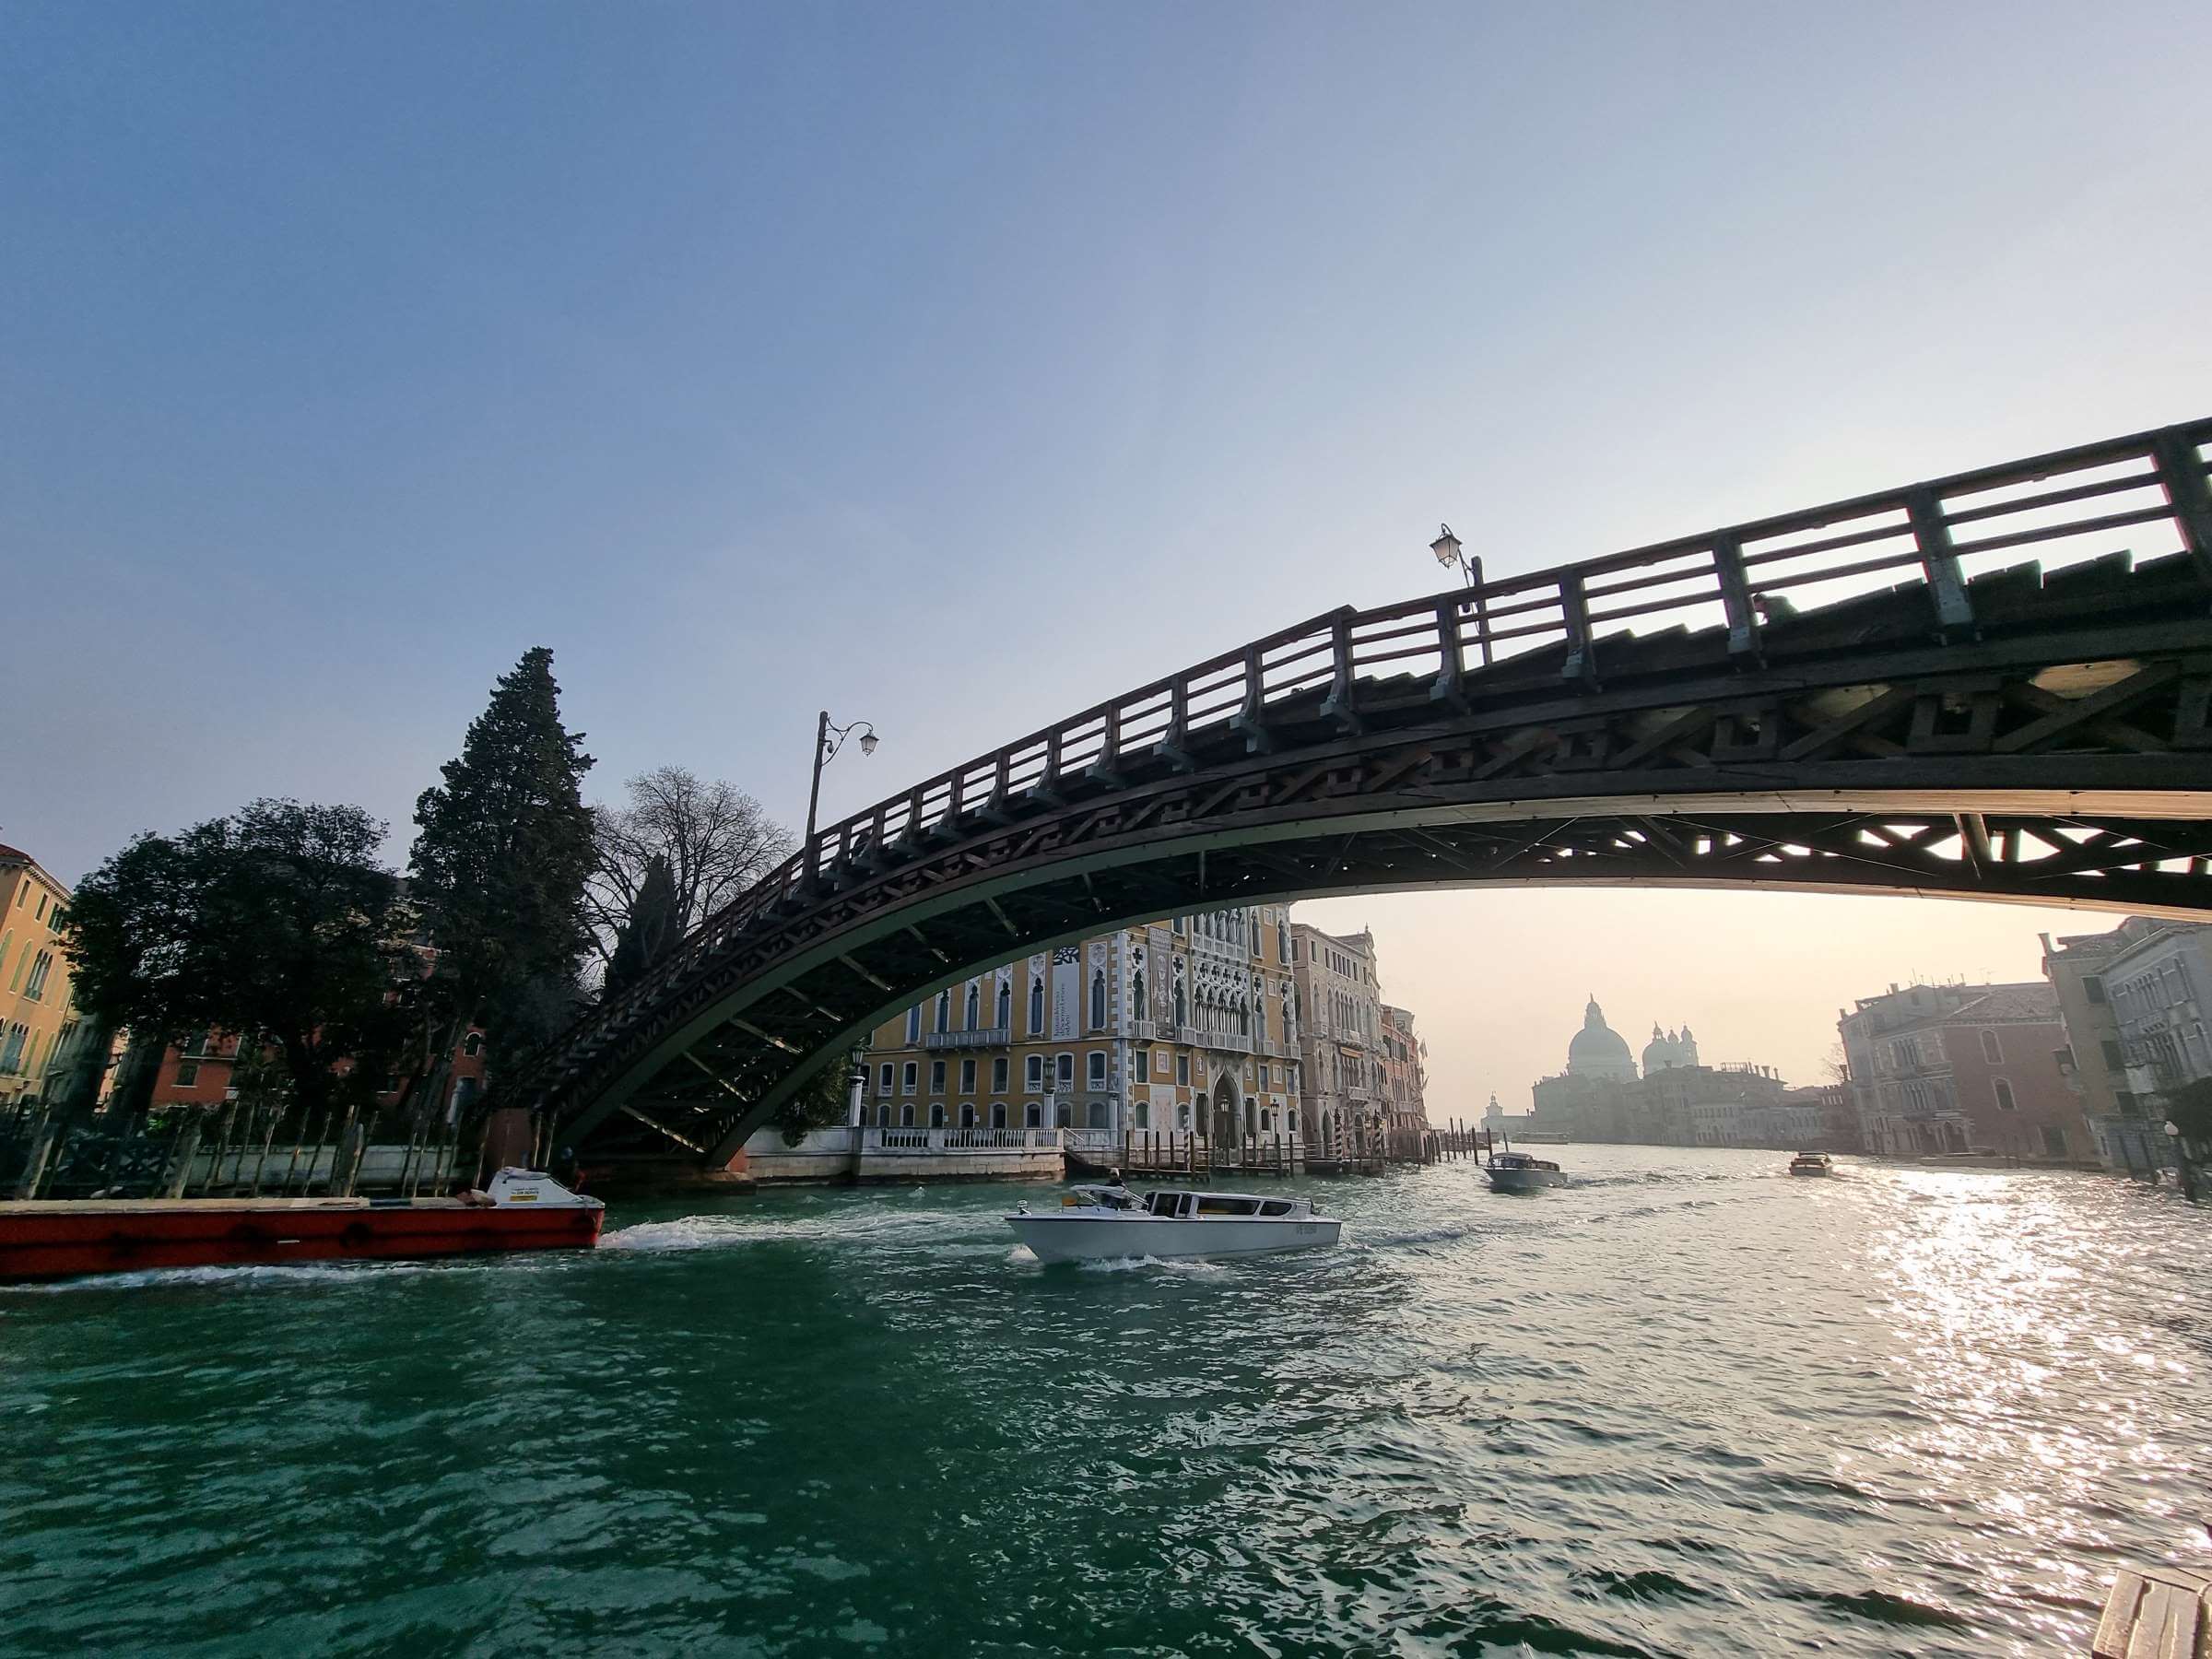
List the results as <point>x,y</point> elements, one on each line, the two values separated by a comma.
<point>503,849</point>
<point>824,1100</point>
<point>648,931</point>
<point>277,923</point>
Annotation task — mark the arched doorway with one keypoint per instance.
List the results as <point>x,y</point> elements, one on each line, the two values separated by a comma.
<point>1225,1121</point>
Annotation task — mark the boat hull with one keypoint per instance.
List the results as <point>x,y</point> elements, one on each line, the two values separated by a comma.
<point>64,1240</point>
<point>1526,1181</point>
<point>1089,1238</point>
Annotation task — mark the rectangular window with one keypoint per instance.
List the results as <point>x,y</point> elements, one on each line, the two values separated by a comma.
<point>42,965</point>
<point>1144,1063</point>
<point>967,1076</point>
<point>1097,1070</point>
<point>1032,1072</point>
<point>936,1076</point>
<point>2114,1059</point>
<point>907,1078</point>
<point>2093,988</point>
<point>998,1077</point>
<point>913,1023</point>
<point>1183,1069</point>
<point>188,1073</point>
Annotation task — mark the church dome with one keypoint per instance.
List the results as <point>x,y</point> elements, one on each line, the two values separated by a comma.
<point>1598,1050</point>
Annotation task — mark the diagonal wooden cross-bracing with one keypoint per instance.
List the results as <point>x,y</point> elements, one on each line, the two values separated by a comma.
<point>1942,724</point>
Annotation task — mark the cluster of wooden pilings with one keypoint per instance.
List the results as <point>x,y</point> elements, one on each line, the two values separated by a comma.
<point>226,1151</point>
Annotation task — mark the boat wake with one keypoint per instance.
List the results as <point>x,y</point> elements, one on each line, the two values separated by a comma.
<point>725,1232</point>
<point>1193,1269</point>
<point>251,1273</point>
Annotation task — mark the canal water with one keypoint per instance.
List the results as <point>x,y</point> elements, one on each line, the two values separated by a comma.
<point>1688,1406</point>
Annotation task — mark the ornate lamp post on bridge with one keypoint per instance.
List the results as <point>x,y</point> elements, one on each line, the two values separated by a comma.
<point>828,740</point>
<point>1449,554</point>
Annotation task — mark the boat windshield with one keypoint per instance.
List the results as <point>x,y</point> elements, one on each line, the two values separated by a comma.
<point>1103,1197</point>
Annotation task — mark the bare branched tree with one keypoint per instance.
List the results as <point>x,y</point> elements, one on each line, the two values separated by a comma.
<point>716,839</point>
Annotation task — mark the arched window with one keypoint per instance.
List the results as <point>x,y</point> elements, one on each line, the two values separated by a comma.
<point>1037,1005</point>
<point>1098,1114</point>
<point>1033,1116</point>
<point>998,1115</point>
<point>1183,1116</point>
<point>1244,1020</point>
<point>906,1116</point>
<point>1064,1117</point>
<point>1990,1051</point>
<point>883,1115</point>
<point>1098,999</point>
<point>944,1010</point>
<point>1259,1014</point>
<point>975,1007</point>
<point>1183,1010</point>
<point>967,1116</point>
<point>2005,1100</point>
<point>936,1115</point>
<point>1136,995</point>
<point>1005,1004</point>
<point>1144,1115</point>
<point>475,1045</point>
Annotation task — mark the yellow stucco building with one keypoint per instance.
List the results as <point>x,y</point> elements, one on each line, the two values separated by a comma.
<point>37,1016</point>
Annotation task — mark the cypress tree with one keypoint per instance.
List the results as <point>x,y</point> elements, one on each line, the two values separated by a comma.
<point>649,929</point>
<point>504,848</point>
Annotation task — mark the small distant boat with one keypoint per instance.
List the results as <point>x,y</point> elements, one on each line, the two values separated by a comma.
<point>1108,1223</point>
<point>1812,1163</point>
<point>1518,1173</point>
<point>524,1210</point>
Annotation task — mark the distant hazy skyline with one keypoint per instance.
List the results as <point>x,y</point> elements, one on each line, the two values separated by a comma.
<point>956,366</point>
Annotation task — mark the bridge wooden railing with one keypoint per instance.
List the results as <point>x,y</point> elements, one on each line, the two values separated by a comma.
<point>1938,534</point>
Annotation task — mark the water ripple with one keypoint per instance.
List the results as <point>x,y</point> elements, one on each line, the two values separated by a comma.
<point>1683,1406</point>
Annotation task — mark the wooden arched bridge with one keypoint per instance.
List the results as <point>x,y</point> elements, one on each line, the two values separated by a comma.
<point>1862,697</point>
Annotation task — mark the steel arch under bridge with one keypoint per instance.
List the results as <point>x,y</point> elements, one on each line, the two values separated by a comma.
<point>1862,697</point>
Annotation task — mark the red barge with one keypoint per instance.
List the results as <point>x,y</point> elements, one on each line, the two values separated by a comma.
<point>523,1209</point>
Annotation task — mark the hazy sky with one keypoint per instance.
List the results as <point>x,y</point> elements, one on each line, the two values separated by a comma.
<point>956,366</point>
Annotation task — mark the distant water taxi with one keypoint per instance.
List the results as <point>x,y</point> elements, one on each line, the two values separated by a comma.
<point>1107,1223</point>
<point>1518,1173</point>
<point>1812,1163</point>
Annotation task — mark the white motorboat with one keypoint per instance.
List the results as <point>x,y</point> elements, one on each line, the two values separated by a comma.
<point>1812,1163</point>
<point>1518,1173</point>
<point>1108,1223</point>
